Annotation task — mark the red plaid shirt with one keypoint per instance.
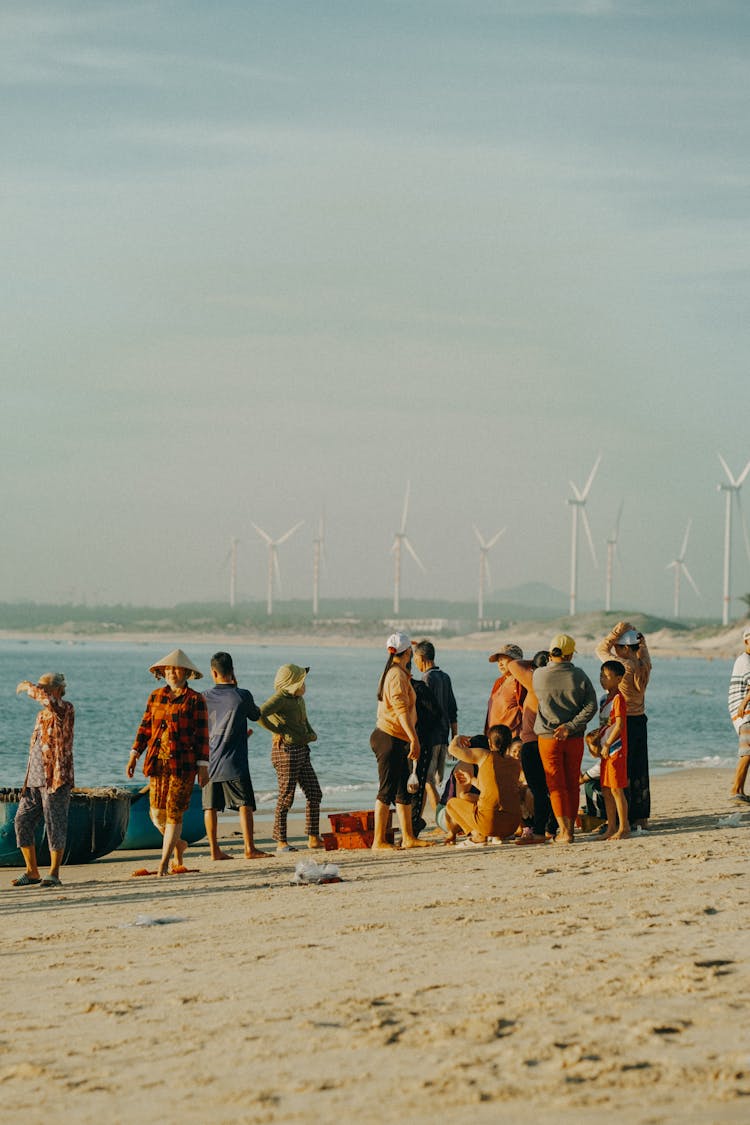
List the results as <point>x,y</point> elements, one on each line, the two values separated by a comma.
<point>174,733</point>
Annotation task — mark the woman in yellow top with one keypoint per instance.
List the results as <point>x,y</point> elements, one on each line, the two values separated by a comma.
<point>395,744</point>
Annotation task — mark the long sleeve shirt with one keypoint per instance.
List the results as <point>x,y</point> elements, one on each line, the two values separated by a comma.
<point>174,733</point>
<point>53,731</point>
<point>637,670</point>
<point>286,717</point>
<point>565,696</point>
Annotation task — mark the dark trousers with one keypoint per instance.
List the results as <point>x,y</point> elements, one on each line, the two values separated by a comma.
<point>531,764</point>
<point>639,795</point>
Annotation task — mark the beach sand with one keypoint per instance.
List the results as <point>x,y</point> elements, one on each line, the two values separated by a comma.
<point>598,982</point>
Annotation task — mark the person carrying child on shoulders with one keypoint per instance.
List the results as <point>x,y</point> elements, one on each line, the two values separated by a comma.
<point>610,743</point>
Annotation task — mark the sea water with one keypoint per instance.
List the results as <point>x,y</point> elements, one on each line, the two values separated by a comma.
<point>109,682</point>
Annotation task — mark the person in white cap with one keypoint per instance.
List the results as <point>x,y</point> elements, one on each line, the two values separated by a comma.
<point>49,779</point>
<point>739,711</point>
<point>395,744</point>
<point>174,735</point>
<point>627,645</point>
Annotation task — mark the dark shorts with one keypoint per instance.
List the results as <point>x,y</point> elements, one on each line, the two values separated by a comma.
<point>234,794</point>
<point>393,767</point>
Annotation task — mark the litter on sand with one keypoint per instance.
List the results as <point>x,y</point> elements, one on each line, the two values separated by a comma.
<point>150,920</point>
<point>310,872</point>
<point>734,820</point>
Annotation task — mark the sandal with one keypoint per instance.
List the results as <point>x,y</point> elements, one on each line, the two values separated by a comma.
<point>286,848</point>
<point>50,881</point>
<point>25,880</point>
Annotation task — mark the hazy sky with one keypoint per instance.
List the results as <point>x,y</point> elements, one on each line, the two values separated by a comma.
<point>262,259</point>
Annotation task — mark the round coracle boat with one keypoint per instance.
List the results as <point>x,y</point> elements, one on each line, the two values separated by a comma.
<point>142,834</point>
<point>97,823</point>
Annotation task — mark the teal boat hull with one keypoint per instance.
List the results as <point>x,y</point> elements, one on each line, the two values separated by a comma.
<point>97,823</point>
<point>142,835</point>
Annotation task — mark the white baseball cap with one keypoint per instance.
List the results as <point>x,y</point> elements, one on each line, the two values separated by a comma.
<point>398,642</point>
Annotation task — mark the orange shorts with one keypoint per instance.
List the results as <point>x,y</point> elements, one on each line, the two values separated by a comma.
<point>169,797</point>
<point>615,771</point>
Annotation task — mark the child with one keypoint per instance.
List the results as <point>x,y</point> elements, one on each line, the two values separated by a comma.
<point>284,714</point>
<point>610,743</point>
<point>439,683</point>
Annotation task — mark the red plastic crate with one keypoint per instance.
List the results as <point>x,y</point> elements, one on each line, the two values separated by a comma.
<point>351,841</point>
<point>363,821</point>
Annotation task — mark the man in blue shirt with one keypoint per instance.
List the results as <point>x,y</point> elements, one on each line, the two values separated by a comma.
<point>229,784</point>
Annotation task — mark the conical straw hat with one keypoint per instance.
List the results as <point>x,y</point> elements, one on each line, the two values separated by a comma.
<point>176,659</point>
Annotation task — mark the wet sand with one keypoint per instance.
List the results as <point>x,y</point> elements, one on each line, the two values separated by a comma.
<point>588,983</point>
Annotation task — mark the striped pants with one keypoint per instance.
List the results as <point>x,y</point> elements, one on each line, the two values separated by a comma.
<point>293,767</point>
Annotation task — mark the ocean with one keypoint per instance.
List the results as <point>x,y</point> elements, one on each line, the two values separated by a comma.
<point>108,683</point>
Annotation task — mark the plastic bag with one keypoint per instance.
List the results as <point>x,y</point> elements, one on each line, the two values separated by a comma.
<point>732,821</point>
<point>310,872</point>
<point>412,784</point>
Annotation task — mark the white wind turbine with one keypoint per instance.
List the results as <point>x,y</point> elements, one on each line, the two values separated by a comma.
<point>400,540</point>
<point>578,504</point>
<point>273,559</point>
<point>731,489</point>
<point>611,556</point>
<point>318,558</point>
<point>484,567</point>
<point>680,568</point>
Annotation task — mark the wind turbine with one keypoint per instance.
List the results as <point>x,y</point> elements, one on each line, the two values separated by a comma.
<point>680,568</point>
<point>400,540</point>
<point>273,559</point>
<point>731,489</point>
<point>318,557</point>
<point>578,504</point>
<point>484,567</point>
<point>231,558</point>
<point>611,556</point>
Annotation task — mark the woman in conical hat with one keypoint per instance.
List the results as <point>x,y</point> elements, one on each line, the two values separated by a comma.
<point>174,735</point>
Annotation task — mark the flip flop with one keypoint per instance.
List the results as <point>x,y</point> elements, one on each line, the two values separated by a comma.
<point>286,848</point>
<point>469,843</point>
<point>25,881</point>
<point>50,881</point>
<point>742,797</point>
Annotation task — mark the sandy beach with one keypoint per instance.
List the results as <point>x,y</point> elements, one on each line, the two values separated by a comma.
<point>602,981</point>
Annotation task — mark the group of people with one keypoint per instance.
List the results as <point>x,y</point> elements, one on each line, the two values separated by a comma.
<point>519,778</point>
<point>523,774</point>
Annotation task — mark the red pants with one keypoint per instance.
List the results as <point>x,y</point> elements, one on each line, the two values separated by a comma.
<point>562,768</point>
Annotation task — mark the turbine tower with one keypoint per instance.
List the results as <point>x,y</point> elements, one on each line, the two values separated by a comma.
<point>318,557</point>
<point>680,568</point>
<point>731,489</point>
<point>611,556</point>
<point>484,567</point>
<point>231,558</point>
<point>273,559</point>
<point>578,504</point>
<point>401,540</point>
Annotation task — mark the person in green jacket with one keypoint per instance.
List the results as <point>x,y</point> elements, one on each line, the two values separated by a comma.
<point>285,716</point>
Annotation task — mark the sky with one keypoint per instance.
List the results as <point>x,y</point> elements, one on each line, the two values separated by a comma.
<point>264,261</point>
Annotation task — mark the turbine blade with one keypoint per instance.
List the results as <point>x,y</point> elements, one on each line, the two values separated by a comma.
<point>616,531</point>
<point>743,474</point>
<point>685,540</point>
<point>672,565</point>
<point>263,534</point>
<point>289,533</point>
<point>575,489</point>
<point>414,554</point>
<point>495,537</point>
<point>405,511</point>
<point>480,540</point>
<point>590,481</point>
<point>689,577</point>
<point>725,467</point>
<point>589,536</point>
